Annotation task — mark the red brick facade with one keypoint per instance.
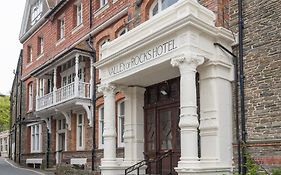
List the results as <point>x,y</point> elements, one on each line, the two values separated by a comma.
<point>75,36</point>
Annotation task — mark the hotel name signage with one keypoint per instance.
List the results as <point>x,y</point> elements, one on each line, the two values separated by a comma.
<point>142,57</point>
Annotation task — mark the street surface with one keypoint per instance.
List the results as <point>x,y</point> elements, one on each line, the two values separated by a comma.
<point>7,168</point>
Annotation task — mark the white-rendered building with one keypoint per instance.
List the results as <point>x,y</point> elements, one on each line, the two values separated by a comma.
<point>4,143</point>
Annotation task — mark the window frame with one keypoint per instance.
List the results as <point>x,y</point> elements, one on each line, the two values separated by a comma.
<point>120,116</point>
<point>160,7</point>
<point>103,3</point>
<point>80,125</point>
<point>101,128</point>
<point>40,45</point>
<point>1,144</point>
<point>120,32</point>
<point>29,54</point>
<point>36,11</point>
<point>41,87</point>
<point>101,44</point>
<point>61,28</point>
<point>30,96</point>
<point>6,143</point>
<point>79,13</point>
<point>36,138</point>
<point>61,128</point>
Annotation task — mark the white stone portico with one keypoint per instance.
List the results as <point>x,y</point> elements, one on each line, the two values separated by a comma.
<point>178,42</point>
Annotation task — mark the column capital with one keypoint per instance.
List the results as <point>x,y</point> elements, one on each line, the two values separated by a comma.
<point>107,89</point>
<point>190,61</point>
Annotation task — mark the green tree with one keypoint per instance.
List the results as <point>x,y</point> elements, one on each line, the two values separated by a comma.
<point>4,113</point>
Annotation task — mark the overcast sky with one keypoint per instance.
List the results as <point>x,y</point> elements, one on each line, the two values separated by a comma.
<point>10,17</point>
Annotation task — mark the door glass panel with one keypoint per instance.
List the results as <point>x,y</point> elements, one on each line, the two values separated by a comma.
<point>151,133</point>
<point>165,129</point>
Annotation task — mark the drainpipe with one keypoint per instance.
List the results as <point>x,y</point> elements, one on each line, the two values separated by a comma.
<point>236,104</point>
<point>16,114</point>
<point>91,13</point>
<point>93,54</point>
<point>48,148</point>
<point>242,95</point>
<point>20,109</point>
<point>11,128</point>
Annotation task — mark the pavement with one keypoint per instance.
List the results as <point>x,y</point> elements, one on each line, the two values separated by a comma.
<point>8,167</point>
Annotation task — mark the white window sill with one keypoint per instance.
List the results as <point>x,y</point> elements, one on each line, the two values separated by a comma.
<point>40,56</point>
<point>35,152</point>
<point>75,29</point>
<point>80,148</point>
<point>114,1</point>
<point>60,41</point>
<point>102,9</point>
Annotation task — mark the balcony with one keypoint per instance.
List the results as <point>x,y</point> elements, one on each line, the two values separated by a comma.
<point>80,90</point>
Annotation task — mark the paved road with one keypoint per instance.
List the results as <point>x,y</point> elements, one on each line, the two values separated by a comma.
<point>9,169</point>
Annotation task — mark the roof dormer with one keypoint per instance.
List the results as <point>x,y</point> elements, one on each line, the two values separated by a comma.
<point>33,16</point>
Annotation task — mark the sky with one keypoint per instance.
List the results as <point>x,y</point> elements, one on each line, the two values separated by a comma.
<point>10,17</point>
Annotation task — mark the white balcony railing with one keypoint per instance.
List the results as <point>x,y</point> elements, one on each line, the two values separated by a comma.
<point>63,94</point>
<point>45,101</point>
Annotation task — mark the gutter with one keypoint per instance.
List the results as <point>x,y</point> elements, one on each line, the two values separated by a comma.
<point>16,112</point>
<point>91,14</point>
<point>20,109</point>
<point>94,81</point>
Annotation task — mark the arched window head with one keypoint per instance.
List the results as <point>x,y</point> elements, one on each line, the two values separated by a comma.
<point>122,31</point>
<point>160,5</point>
<point>102,43</point>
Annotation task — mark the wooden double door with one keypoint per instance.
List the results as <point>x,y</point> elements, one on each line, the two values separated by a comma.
<point>162,133</point>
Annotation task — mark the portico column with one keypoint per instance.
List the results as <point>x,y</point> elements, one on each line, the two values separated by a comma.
<point>188,109</point>
<point>216,117</point>
<point>134,125</point>
<point>76,79</point>
<point>55,85</point>
<point>109,133</point>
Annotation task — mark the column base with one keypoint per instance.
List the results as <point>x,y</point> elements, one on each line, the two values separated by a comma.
<point>118,168</point>
<point>203,168</point>
<point>207,171</point>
